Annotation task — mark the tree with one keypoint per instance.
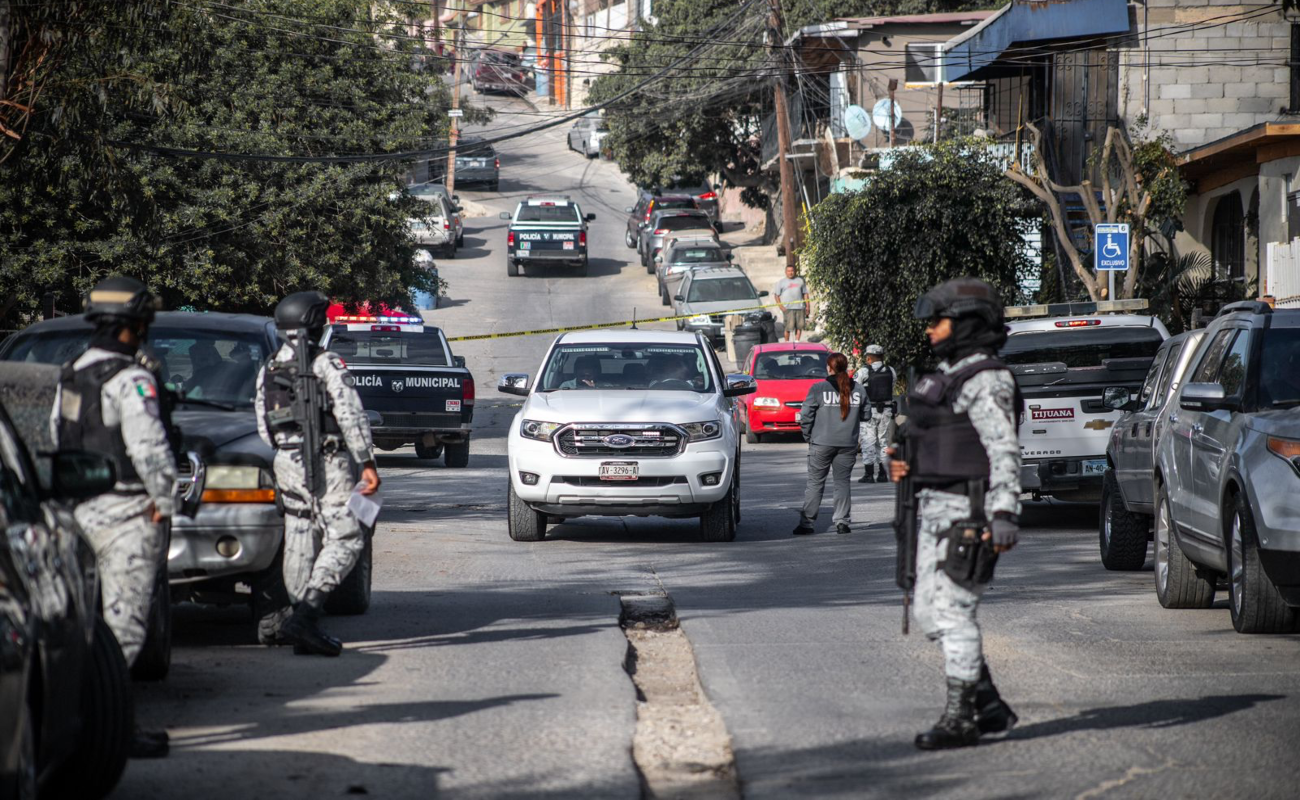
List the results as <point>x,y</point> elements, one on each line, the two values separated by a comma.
<point>938,212</point>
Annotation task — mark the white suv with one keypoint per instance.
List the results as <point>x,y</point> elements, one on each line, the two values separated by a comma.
<point>626,423</point>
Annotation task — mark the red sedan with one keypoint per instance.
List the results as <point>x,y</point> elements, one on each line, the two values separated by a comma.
<point>783,371</point>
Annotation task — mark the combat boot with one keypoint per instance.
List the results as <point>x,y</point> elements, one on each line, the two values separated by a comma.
<point>303,628</point>
<point>867,475</point>
<point>992,714</point>
<point>956,728</point>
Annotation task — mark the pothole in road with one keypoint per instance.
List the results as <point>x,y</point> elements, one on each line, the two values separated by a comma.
<point>680,746</point>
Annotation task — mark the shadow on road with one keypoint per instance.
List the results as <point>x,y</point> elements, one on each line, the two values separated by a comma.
<point>1152,714</point>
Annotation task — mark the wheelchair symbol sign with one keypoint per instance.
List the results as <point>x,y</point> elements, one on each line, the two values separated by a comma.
<point>1110,247</point>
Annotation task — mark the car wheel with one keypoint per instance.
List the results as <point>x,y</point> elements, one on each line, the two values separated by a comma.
<point>718,523</point>
<point>1122,533</point>
<point>451,249</point>
<point>460,240</point>
<point>426,452</point>
<point>752,436</point>
<point>494,186</point>
<point>1177,584</point>
<point>512,268</point>
<point>155,658</point>
<point>1256,604</point>
<point>525,524</point>
<point>456,456</point>
<point>735,490</point>
<point>352,597</point>
<point>582,267</point>
<point>663,295</point>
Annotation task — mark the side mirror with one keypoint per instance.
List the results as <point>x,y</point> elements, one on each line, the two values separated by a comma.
<point>504,215</point>
<point>80,474</point>
<point>739,384</point>
<point>513,383</point>
<point>1116,398</point>
<point>628,210</point>
<point>591,217</point>
<point>731,256</point>
<point>456,197</point>
<point>679,298</point>
<point>458,209</point>
<point>764,293</point>
<point>458,361</point>
<point>1203,397</point>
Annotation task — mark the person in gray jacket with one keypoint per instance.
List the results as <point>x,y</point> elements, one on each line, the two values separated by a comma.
<point>830,419</point>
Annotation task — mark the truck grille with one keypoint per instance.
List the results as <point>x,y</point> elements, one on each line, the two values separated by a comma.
<point>649,440</point>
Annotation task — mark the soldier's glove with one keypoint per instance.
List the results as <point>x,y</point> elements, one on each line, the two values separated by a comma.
<point>1004,531</point>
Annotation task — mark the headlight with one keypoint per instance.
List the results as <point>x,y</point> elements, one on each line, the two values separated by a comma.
<point>229,484</point>
<point>700,431</point>
<point>221,477</point>
<point>700,319</point>
<point>541,431</point>
<point>767,402</point>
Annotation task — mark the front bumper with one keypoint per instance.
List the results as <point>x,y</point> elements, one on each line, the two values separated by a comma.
<point>193,556</point>
<point>666,487</point>
<point>1270,489</point>
<point>772,420</point>
<point>1053,475</point>
<point>713,330</point>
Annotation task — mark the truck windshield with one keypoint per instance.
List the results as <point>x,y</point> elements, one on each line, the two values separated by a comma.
<point>1279,368</point>
<point>716,290</point>
<point>627,366</point>
<point>388,347</point>
<point>1081,347</point>
<point>547,214</point>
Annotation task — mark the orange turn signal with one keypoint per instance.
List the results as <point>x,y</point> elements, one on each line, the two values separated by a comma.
<point>1287,448</point>
<point>239,496</point>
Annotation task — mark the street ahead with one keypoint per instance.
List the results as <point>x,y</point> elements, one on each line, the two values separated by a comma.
<point>490,668</point>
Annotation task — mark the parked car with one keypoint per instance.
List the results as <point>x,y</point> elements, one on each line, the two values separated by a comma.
<point>426,191</point>
<point>492,70</point>
<point>66,713</point>
<point>680,222</point>
<point>705,295</point>
<point>782,372</point>
<point>705,196</point>
<point>586,135</point>
<point>437,228</point>
<point>477,163</point>
<point>682,255</point>
<point>546,229</point>
<point>1128,487</point>
<point>647,202</point>
<point>1228,473</point>
<point>582,444</point>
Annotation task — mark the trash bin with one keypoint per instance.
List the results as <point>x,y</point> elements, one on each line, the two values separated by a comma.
<point>743,339</point>
<point>768,325</point>
<point>426,301</point>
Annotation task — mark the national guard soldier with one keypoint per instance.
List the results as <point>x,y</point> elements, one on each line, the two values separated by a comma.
<point>960,450</point>
<point>877,381</point>
<point>109,402</point>
<point>309,411</point>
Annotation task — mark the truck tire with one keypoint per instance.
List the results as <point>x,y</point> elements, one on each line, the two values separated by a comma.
<point>663,295</point>
<point>524,524</point>
<point>352,597</point>
<point>107,723</point>
<point>512,267</point>
<point>1177,583</point>
<point>582,268</point>
<point>155,658</point>
<point>718,523</point>
<point>460,240</point>
<point>456,456</point>
<point>1256,604</point>
<point>1122,533</point>
<point>451,249</point>
<point>428,453</point>
<point>494,186</point>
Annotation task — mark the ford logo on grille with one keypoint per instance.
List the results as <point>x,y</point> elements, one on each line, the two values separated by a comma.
<point>619,440</point>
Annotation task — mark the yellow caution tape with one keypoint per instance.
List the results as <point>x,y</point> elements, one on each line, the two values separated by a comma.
<point>598,325</point>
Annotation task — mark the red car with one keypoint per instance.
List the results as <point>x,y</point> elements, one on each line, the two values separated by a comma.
<point>783,371</point>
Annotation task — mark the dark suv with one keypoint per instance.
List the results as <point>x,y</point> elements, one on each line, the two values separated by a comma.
<point>647,202</point>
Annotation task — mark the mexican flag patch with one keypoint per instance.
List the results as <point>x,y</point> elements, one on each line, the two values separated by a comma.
<point>146,390</point>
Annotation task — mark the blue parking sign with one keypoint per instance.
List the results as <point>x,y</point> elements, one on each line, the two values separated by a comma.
<point>1110,247</point>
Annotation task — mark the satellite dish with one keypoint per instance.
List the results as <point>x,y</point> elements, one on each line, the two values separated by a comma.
<point>857,122</point>
<point>881,116</point>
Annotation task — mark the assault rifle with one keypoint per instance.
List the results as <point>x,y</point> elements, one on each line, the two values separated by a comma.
<point>307,410</point>
<point>905,521</point>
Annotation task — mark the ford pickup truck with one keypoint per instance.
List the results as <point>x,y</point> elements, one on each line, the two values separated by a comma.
<point>546,229</point>
<point>406,374</point>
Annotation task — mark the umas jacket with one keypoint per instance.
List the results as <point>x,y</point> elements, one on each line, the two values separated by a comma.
<point>820,417</point>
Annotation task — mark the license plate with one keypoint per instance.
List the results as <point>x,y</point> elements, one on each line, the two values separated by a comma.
<point>1094,466</point>
<point>568,245</point>
<point>798,417</point>
<point>453,405</point>
<point>618,470</point>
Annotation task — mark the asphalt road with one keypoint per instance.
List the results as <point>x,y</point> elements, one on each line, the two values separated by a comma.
<point>490,668</point>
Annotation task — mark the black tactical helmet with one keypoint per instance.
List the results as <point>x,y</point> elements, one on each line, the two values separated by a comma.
<point>302,310</point>
<point>961,297</point>
<point>118,298</point>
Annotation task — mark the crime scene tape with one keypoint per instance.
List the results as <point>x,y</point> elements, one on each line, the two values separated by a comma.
<point>599,325</point>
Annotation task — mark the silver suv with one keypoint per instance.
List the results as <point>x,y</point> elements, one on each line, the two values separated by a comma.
<point>1228,473</point>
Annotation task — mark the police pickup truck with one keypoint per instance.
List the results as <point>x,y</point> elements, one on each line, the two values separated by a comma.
<point>547,229</point>
<point>406,374</point>
<point>1064,356</point>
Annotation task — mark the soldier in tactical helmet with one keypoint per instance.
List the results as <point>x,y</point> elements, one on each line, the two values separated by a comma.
<point>110,402</point>
<point>959,462</point>
<point>877,382</point>
<point>309,411</point>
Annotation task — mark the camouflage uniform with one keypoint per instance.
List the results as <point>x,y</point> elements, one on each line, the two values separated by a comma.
<point>944,611</point>
<point>128,544</point>
<point>322,538</point>
<point>875,432</point>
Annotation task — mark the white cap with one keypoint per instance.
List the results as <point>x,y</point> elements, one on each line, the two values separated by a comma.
<point>875,350</point>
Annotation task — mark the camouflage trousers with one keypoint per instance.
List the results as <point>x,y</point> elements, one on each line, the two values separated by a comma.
<point>944,611</point>
<point>874,435</point>
<point>322,538</point>
<point>128,549</point>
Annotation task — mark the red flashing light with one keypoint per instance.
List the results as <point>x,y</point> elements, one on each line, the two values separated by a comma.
<point>708,196</point>
<point>394,321</point>
<point>1077,323</point>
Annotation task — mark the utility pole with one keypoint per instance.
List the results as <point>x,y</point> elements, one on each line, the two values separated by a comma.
<point>455,106</point>
<point>789,220</point>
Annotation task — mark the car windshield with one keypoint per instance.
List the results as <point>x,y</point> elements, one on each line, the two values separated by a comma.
<point>1081,347</point>
<point>1279,368</point>
<point>208,365</point>
<point>696,255</point>
<point>529,213</point>
<point>790,365</point>
<point>627,366</point>
<point>717,290</point>
<point>388,347</point>
<point>681,222</point>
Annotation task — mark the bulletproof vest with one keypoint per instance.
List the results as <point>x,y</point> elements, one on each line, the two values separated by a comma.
<point>81,415</point>
<point>946,447</point>
<point>282,412</point>
<point>880,385</point>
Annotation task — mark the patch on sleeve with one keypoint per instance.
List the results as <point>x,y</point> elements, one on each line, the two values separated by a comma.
<point>145,388</point>
<point>348,380</point>
<point>337,363</point>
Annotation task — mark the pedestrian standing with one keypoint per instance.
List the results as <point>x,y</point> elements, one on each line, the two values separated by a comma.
<point>108,402</point>
<point>877,381</point>
<point>792,292</point>
<point>830,418</point>
<point>963,454</point>
<point>306,393</point>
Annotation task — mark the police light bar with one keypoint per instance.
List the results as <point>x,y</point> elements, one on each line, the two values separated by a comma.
<point>356,319</point>
<point>1076,309</point>
<point>1077,323</point>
